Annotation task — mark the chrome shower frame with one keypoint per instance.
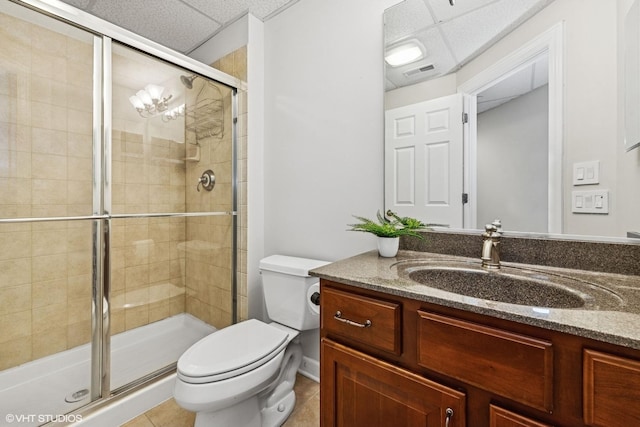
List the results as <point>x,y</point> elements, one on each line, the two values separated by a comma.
<point>102,216</point>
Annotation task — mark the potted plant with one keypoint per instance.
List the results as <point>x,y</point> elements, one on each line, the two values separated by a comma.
<point>389,231</point>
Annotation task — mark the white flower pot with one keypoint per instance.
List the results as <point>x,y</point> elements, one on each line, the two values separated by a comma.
<point>388,246</point>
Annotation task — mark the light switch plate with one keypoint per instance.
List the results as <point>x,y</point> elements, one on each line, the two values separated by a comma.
<point>590,202</point>
<point>586,173</point>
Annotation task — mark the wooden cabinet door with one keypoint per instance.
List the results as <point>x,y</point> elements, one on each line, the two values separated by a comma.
<point>358,390</point>
<point>502,418</point>
<point>611,390</point>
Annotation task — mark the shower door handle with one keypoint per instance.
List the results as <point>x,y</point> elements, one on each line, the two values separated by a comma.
<point>207,180</point>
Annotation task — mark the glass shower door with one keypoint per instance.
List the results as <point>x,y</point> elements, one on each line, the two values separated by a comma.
<point>156,281</point>
<point>47,222</point>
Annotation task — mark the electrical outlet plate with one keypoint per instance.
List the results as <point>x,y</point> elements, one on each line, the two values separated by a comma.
<point>590,202</point>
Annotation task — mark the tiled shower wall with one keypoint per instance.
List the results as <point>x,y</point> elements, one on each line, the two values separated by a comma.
<point>159,266</point>
<point>208,259</point>
<point>45,171</point>
<point>235,64</point>
<point>147,263</point>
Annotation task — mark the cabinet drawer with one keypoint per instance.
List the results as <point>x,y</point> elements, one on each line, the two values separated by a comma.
<point>499,417</point>
<point>369,321</point>
<point>512,365</point>
<point>611,387</point>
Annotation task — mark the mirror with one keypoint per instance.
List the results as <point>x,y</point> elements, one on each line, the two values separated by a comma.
<point>557,76</point>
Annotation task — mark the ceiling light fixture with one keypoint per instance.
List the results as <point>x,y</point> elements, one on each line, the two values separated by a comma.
<point>405,53</point>
<point>149,101</point>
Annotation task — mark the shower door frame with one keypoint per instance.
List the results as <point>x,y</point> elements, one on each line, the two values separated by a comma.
<point>101,217</point>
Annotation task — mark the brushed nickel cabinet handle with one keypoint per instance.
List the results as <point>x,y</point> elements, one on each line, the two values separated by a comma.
<point>449,415</point>
<point>338,317</point>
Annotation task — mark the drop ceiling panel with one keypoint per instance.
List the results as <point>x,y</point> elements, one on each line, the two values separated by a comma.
<point>443,11</point>
<point>402,22</point>
<point>465,30</point>
<point>470,33</point>
<point>220,10</point>
<point>181,25</point>
<point>168,22</point>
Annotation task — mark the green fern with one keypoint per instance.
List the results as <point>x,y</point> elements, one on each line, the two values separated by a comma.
<point>387,227</point>
<point>412,223</point>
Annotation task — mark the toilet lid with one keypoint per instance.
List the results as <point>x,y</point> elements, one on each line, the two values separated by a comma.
<point>232,351</point>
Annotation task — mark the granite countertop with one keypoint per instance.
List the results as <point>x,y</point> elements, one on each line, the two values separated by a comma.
<point>612,316</point>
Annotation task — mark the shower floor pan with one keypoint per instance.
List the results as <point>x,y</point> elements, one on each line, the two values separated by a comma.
<point>55,385</point>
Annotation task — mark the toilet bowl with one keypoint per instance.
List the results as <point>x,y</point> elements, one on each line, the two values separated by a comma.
<point>243,375</point>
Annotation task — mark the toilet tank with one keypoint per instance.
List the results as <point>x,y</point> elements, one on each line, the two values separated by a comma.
<point>287,288</point>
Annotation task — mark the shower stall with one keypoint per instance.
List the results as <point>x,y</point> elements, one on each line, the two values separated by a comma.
<point>118,209</point>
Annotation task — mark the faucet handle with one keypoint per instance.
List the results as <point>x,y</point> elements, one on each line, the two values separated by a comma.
<point>498,225</point>
<point>491,231</point>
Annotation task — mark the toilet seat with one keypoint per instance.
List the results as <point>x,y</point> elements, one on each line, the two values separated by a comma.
<point>231,351</point>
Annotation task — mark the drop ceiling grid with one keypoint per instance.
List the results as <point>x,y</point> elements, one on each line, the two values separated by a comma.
<point>179,24</point>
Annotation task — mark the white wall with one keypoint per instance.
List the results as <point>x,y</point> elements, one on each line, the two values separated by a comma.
<point>420,92</point>
<point>515,191</point>
<point>323,157</point>
<point>255,165</point>
<point>323,126</point>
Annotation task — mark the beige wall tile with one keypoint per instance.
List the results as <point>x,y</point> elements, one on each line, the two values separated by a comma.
<point>49,292</point>
<point>48,192</point>
<point>137,316</point>
<point>79,287</point>
<point>50,342</point>
<point>15,325</point>
<point>15,244</point>
<point>78,333</point>
<point>49,242</point>
<point>15,352</point>
<point>15,272</point>
<point>15,299</point>
<point>48,141</point>
<point>49,267</point>
<point>48,317</point>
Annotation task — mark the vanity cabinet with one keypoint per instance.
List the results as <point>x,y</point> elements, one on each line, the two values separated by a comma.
<point>387,360</point>
<point>363,391</point>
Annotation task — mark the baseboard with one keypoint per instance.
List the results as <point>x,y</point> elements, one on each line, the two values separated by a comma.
<point>310,368</point>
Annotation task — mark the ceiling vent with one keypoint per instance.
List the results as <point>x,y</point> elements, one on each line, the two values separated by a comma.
<point>419,70</point>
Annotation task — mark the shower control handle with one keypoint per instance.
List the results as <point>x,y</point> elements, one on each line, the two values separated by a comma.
<point>207,180</point>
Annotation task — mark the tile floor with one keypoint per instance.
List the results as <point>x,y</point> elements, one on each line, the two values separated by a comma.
<point>305,414</point>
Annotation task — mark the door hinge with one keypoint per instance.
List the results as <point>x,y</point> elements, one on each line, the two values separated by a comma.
<point>465,198</point>
<point>465,118</point>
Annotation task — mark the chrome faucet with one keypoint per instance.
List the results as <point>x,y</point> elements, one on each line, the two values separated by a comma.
<point>491,246</point>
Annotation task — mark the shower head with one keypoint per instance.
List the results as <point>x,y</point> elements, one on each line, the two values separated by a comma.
<point>188,81</point>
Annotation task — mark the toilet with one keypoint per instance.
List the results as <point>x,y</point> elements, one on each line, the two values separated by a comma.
<point>243,375</point>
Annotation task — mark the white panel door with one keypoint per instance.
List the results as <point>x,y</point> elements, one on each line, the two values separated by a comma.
<point>423,161</point>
